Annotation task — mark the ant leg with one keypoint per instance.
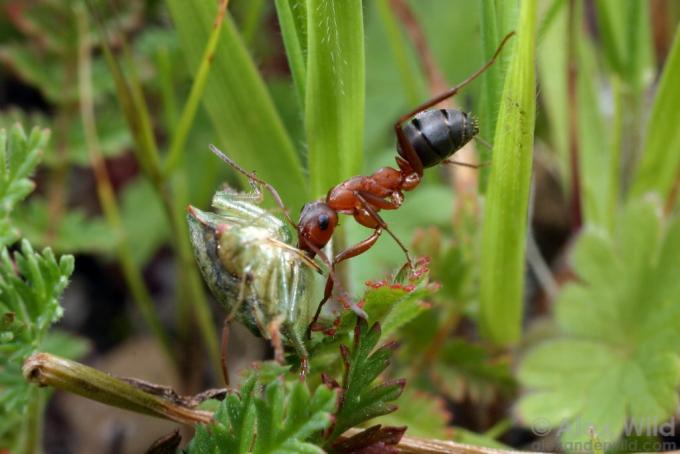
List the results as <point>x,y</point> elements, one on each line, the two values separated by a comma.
<point>403,142</point>
<point>364,198</point>
<point>358,248</point>
<point>348,253</point>
<point>252,177</point>
<point>466,164</point>
<point>328,292</point>
<point>329,283</point>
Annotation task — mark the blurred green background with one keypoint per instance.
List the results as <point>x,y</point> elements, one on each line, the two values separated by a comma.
<point>596,343</point>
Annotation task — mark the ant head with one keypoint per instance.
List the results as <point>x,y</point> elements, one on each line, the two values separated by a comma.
<point>316,226</point>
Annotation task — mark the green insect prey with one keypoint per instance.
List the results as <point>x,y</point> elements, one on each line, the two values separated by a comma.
<point>246,257</point>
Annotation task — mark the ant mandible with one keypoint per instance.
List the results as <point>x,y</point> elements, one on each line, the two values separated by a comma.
<point>425,138</point>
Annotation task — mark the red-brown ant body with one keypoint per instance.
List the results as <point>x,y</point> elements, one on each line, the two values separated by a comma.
<point>425,138</point>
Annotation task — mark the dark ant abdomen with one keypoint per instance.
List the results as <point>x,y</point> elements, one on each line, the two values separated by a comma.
<point>437,134</point>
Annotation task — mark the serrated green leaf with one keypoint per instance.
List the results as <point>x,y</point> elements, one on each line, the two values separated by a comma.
<point>413,405</point>
<point>467,371</point>
<point>279,419</point>
<point>360,399</point>
<point>31,284</point>
<point>19,155</point>
<point>617,358</point>
<point>74,232</point>
<point>393,304</point>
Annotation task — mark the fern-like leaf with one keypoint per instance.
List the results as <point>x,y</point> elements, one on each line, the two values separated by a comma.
<point>280,418</point>
<point>31,285</point>
<point>19,155</point>
<point>359,399</point>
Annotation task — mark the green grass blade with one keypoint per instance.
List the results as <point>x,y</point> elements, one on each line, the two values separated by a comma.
<point>611,20</point>
<point>640,62</point>
<point>299,9</point>
<point>492,83</point>
<point>626,38</point>
<point>291,41</point>
<point>334,114</point>
<point>593,137</point>
<point>552,70</point>
<point>494,25</point>
<point>237,101</point>
<point>505,214</point>
<point>133,104</point>
<point>661,156</point>
<point>252,15</point>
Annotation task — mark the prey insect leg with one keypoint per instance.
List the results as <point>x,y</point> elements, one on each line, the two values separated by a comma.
<point>247,276</point>
<point>254,178</point>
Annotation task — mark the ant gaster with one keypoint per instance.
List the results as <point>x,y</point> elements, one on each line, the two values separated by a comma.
<point>425,138</point>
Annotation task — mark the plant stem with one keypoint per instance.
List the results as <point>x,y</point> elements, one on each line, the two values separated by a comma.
<point>180,135</point>
<point>107,198</point>
<point>32,436</point>
<point>45,369</point>
<point>49,370</point>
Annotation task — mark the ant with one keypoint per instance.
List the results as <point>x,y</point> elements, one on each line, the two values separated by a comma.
<point>425,137</point>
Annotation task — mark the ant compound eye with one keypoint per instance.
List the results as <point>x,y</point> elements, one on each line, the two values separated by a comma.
<point>323,222</point>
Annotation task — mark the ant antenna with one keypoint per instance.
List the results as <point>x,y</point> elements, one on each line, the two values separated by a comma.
<point>454,90</point>
<point>252,177</point>
<point>467,164</point>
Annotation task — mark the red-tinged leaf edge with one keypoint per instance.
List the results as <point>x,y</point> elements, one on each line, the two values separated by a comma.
<point>167,444</point>
<point>375,439</point>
